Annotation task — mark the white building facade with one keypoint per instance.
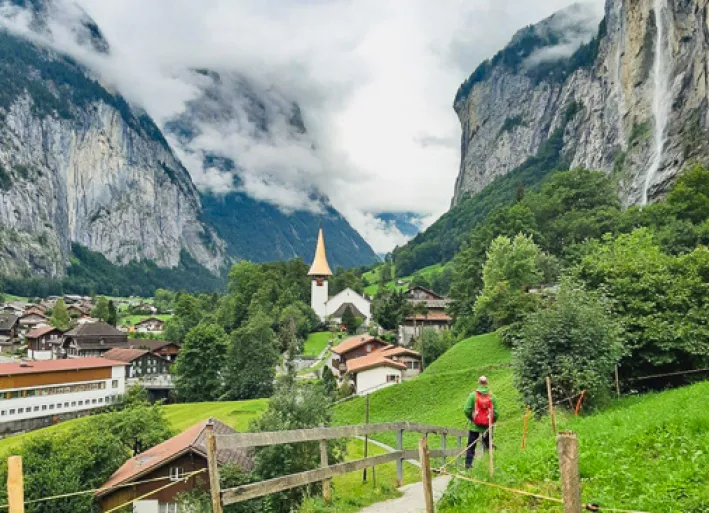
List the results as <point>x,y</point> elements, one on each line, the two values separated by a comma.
<point>57,387</point>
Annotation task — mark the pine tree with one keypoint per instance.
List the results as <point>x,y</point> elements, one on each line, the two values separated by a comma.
<point>60,316</point>
<point>112,314</point>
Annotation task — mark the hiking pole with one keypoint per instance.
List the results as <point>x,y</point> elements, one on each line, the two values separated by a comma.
<point>491,449</point>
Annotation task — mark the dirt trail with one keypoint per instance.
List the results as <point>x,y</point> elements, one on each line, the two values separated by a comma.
<point>412,501</point>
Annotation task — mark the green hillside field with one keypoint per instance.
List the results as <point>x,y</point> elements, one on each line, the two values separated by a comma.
<point>237,414</point>
<point>647,453</point>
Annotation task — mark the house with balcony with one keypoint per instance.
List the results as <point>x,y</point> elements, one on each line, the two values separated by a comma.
<point>43,342</point>
<point>429,313</point>
<point>172,461</point>
<point>91,339</point>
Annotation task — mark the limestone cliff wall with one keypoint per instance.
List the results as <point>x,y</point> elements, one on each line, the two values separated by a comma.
<point>641,85</point>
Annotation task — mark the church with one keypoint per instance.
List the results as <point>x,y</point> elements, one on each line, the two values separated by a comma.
<point>332,308</point>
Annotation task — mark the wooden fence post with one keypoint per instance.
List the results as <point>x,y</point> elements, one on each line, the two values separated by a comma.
<point>400,461</point>
<point>617,382</point>
<point>526,424</point>
<point>568,448</point>
<point>491,449</point>
<point>214,485</point>
<point>444,443</point>
<point>366,438</point>
<point>426,479</point>
<point>15,485</point>
<point>326,489</point>
<point>551,406</point>
<point>460,449</point>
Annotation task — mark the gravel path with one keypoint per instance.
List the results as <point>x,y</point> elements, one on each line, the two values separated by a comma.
<point>412,501</point>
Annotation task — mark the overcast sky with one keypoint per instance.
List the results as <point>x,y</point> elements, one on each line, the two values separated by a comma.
<point>375,80</point>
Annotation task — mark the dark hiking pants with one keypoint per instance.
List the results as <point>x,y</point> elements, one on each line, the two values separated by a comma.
<point>472,439</point>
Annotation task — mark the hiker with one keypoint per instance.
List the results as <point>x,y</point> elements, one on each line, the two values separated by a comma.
<point>481,412</point>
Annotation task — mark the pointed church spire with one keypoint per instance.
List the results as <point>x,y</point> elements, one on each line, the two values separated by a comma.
<point>320,266</point>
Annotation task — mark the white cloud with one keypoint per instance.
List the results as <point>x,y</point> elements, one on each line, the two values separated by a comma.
<point>375,81</point>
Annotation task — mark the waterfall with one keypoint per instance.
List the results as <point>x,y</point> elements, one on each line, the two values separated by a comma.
<point>661,95</point>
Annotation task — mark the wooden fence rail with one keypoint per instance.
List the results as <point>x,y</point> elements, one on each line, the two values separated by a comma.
<point>325,472</point>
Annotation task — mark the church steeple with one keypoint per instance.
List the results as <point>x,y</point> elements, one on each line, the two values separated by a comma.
<point>320,266</point>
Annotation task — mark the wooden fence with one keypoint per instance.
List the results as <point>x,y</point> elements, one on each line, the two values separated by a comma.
<point>326,471</point>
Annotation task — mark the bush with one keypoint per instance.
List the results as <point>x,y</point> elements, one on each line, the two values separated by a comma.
<point>433,344</point>
<point>576,341</point>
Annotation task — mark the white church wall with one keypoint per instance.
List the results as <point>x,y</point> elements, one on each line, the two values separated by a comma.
<point>318,298</point>
<point>374,379</point>
<point>350,296</point>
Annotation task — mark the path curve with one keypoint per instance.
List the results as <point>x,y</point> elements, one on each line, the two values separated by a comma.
<point>412,501</point>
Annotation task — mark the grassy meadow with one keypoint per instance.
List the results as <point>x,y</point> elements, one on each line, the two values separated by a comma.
<point>647,452</point>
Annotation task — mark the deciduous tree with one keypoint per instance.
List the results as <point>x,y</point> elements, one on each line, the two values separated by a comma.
<point>198,368</point>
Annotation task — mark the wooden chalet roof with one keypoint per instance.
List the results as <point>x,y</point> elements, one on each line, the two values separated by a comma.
<point>149,319</point>
<point>40,332</point>
<point>8,321</point>
<point>125,354</point>
<point>354,342</point>
<point>320,266</point>
<point>376,359</point>
<point>190,440</point>
<point>96,335</point>
<point>152,345</point>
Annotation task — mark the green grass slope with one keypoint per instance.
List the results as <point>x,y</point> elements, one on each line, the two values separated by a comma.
<point>237,414</point>
<point>647,453</point>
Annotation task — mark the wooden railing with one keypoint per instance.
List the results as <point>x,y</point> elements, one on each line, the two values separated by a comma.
<point>323,474</point>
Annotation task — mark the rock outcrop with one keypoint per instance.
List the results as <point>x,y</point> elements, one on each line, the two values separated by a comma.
<point>639,92</point>
<point>77,164</point>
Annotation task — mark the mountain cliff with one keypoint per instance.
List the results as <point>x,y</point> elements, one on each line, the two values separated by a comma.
<point>79,165</point>
<point>639,92</point>
<point>84,175</point>
<point>232,106</point>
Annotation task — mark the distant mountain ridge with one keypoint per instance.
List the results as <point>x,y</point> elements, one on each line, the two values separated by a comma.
<point>81,168</point>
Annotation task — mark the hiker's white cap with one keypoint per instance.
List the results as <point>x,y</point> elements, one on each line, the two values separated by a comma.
<point>482,380</point>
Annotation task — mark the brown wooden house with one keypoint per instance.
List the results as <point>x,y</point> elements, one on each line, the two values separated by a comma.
<point>164,348</point>
<point>41,342</point>
<point>351,348</point>
<point>140,363</point>
<point>92,339</point>
<point>8,331</point>
<point>168,462</point>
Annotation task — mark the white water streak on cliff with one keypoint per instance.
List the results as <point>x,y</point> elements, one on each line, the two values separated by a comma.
<point>661,96</point>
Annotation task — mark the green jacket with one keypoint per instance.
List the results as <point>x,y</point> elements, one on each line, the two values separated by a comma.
<point>470,407</point>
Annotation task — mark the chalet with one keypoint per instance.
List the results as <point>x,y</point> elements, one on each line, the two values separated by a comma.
<point>91,339</point>
<point>8,331</point>
<point>140,363</point>
<point>42,342</point>
<point>32,318</point>
<point>351,348</point>
<point>163,348</point>
<point>169,462</point>
<point>150,325</point>
<point>30,391</point>
<point>431,313</point>
<point>78,311</point>
<point>382,368</point>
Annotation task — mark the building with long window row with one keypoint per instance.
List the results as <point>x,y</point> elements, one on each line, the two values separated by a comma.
<point>40,393</point>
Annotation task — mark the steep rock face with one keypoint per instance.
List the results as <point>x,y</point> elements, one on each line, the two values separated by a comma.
<point>639,91</point>
<point>78,165</point>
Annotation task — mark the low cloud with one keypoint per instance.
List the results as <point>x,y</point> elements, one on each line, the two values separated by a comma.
<point>374,80</point>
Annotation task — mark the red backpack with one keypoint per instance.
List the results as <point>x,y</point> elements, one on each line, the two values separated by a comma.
<point>483,409</point>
